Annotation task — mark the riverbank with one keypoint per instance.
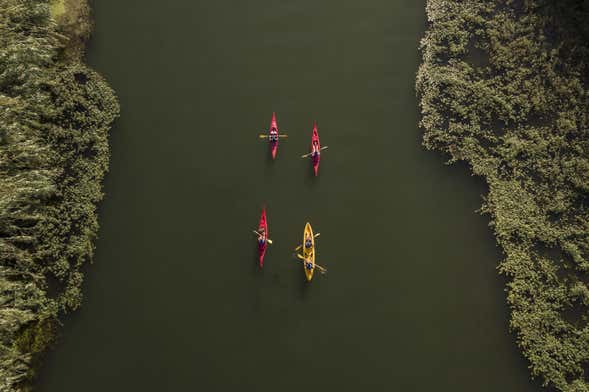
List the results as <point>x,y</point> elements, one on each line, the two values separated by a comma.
<point>55,117</point>
<point>503,86</point>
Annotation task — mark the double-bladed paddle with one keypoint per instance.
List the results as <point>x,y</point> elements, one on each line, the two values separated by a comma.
<point>321,269</point>
<point>264,136</point>
<point>315,236</point>
<point>267,239</point>
<point>306,155</point>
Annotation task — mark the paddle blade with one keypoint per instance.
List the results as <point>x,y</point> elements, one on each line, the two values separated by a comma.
<point>282,135</point>
<point>263,136</point>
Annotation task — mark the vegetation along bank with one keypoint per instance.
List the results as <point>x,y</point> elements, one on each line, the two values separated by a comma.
<point>503,86</point>
<point>55,115</point>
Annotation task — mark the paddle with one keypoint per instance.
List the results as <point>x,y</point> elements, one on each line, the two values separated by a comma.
<point>315,236</point>
<point>323,270</point>
<point>266,136</point>
<point>306,155</point>
<point>267,239</point>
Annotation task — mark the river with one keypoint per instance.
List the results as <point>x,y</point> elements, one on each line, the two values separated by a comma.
<point>174,300</point>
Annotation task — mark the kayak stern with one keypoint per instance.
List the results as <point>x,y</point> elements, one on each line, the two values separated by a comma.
<point>274,149</point>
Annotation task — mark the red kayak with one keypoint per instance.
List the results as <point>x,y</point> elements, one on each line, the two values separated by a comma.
<point>315,147</point>
<point>273,136</point>
<point>263,229</point>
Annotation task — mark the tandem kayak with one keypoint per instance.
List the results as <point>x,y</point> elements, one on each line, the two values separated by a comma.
<point>263,228</point>
<point>308,252</point>
<point>315,146</point>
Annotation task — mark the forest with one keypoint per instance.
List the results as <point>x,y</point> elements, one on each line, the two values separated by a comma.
<point>503,87</point>
<point>55,116</point>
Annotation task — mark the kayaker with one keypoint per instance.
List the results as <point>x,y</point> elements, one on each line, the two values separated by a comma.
<point>316,150</point>
<point>273,135</point>
<point>262,237</point>
<point>308,242</point>
<point>309,265</point>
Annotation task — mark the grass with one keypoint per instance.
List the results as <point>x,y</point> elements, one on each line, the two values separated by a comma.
<point>57,8</point>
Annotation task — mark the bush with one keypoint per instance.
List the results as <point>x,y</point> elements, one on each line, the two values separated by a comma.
<point>54,121</point>
<point>503,86</point>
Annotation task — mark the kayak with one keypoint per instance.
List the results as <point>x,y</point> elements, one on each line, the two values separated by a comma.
<point>315,140</point>
<point>262,246</point>
<point>273,129</point>
<point>309,253</point>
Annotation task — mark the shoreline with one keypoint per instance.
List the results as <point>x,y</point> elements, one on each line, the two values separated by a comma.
<point>55,154</point>
<point>501,87</point>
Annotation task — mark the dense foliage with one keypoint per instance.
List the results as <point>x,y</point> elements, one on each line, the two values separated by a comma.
<point>55,114</point>
<point>503,86</point>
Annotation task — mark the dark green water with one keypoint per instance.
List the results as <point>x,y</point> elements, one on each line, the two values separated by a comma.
<point>174,300</point>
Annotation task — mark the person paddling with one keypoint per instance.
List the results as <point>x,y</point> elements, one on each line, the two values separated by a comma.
<point>273,135</point>
<point>316,150</point>
<point>308,242</point>
<point>262,237</point>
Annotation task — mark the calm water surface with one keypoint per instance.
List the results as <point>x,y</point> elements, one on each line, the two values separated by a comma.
<point>174,300</point>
